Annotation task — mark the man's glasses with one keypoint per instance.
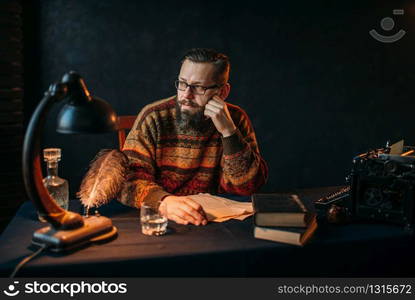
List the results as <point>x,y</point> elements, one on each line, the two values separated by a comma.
<point>196,89</point>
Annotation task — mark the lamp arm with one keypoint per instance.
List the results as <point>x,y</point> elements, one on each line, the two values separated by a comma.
<point>32,171</point>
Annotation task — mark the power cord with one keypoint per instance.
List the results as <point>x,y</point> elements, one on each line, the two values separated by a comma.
<point>27,259</point>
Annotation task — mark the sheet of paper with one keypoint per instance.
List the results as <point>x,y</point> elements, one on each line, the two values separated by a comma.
<point>219,209</point>
<point>397,148</point>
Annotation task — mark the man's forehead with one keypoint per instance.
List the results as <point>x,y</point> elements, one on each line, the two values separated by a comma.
<point>197,72</point>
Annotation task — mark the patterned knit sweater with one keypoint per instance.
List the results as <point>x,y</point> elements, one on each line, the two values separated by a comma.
<point>167,160</point>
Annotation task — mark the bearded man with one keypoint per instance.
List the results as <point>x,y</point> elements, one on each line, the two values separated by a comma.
<point>193,142</point>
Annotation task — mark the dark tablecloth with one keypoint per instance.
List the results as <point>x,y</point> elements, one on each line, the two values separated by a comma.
<point>218,249</point>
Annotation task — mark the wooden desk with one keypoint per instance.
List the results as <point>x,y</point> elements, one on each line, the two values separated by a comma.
<point>218,249</point>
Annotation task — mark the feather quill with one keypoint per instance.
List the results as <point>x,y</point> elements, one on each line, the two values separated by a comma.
<point>104,179</point>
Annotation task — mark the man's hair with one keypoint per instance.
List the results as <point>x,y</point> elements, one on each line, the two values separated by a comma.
<point>219,60</point>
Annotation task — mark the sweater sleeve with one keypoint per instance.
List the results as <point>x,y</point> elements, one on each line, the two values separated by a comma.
<point>140,147</point>
<point>243,170</point>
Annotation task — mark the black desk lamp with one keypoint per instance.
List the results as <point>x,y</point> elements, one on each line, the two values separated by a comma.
<point>82,113</point>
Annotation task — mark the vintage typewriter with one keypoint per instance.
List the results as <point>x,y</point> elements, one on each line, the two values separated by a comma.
<point>380,187</point>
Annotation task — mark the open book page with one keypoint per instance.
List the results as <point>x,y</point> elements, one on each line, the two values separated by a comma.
<point>219,209</point>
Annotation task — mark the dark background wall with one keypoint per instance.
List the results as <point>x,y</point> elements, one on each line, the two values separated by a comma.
<point>317,87</point>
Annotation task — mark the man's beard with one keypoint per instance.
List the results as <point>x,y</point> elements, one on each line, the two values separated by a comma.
<point>195,121</point>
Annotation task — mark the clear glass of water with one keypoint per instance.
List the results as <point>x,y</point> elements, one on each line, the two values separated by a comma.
<point>152,222</point>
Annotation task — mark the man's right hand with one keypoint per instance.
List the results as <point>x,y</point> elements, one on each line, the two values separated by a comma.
<point>183,210</point>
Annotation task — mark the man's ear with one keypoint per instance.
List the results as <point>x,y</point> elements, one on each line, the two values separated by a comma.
<point>224,91</point>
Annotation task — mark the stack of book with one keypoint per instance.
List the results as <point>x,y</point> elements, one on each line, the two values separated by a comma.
<point>283,217</point>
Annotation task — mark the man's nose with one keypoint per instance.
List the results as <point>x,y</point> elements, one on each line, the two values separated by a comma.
<point>188,92</point>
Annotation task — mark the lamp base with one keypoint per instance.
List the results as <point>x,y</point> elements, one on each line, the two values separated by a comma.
<point>95,229</point>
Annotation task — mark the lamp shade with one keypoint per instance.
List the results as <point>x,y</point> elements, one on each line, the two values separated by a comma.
<point>83,113</point>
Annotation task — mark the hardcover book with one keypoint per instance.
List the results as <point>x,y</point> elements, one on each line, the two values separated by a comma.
<point>282,209</point>
<point>289,235</point>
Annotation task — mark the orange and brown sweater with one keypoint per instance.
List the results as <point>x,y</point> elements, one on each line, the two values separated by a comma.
<point>166,160</point>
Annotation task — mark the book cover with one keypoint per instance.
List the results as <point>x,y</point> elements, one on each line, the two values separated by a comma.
<point>288,235</point>
<point>282,209</point>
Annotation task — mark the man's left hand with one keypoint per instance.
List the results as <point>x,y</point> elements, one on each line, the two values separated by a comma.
<point>217,110</point>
